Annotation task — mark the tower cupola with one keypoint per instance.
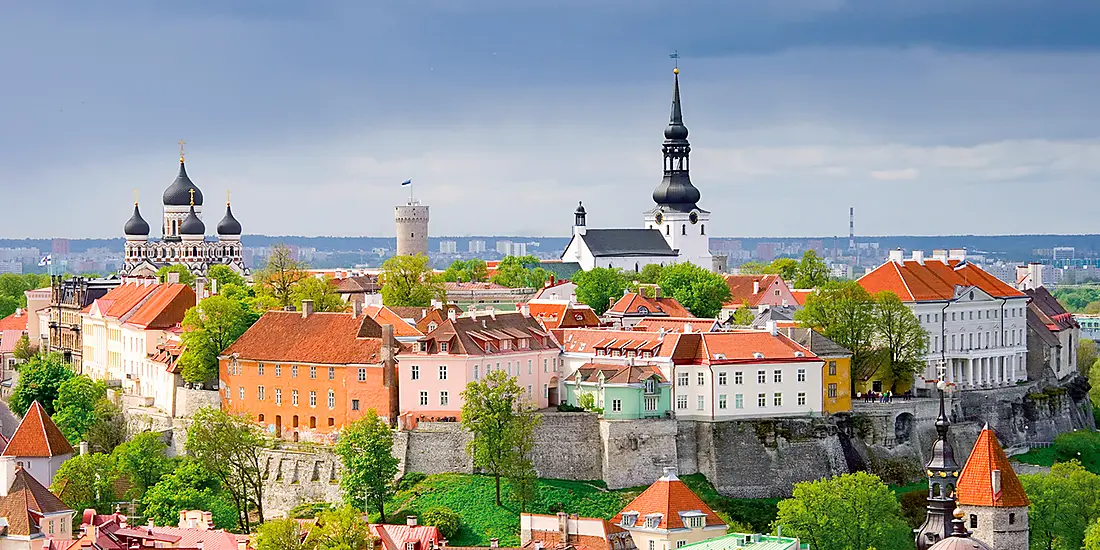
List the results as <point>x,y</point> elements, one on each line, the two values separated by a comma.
<point>136,226</point>
<point>675,192</point>
<point>943,476</point>
<point>229,226</point>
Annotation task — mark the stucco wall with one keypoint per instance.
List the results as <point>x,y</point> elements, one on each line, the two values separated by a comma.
<point>188,401</point>
<point>293,477</point>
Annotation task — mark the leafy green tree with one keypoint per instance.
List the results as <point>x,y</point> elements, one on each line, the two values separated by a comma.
<point>75,406</point>
<point>847,512</point>
<point>225,275</point>
<point>521,271</point>
<point>340,529</point>
<point>186,277</point>
<point>24,351</point>
<point>322,291</point>
<point>366,449</point>
<point>8,305</point>
<point>812,271</point>
<point>1063,503</point>
<point>446,520</point>
<point>282,534</point>
<point>752,267</point>
<point>784,267</point>
<point>280,274</point>
<point>1086,355</point>
<point>109,429</point>
<point>39,380</point>
<point>230,448</point>
<point>598,287</point>
<point>409,281</point>
<point>208,329</point>
<point>1092,536</point>
<point>650,274</point>
<point>845,313</point>
<point>87,481</point>
<point>495,411</point>
<point>189,487</point>
<point>743,315</point>
<point>469,271</point>
<point>523,480</point>
<point>144,460</point>
<point>900,339</point>
<point>701,291</point>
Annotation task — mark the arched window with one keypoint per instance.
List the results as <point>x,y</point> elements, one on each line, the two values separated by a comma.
<point>936,490</point>
<point>667,230</point>
<point>703,229</point>
<point>683,229</point>
<point>635,267</point>
<point>260,418</point>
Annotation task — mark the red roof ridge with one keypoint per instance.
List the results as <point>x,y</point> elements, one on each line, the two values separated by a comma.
<point>977,481</point>
<point>37,436</point>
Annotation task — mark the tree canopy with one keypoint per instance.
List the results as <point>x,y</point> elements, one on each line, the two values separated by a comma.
<point>225,275</point>
<point>280,274</point>
<point>229,447</point>
<point>521,271</point>
<point>496,413</point>
<point>209,328</point>
<point>847,512</point>
<point>845,313</point>
<point>1063,504</point>
<point>87,481</point>
<point>282,534</point>
<point>40,379</point>
<point>186,277</point>
<point>340,529</point>
<point>75,406</point>
<point>409,281</point>
<point>322,291</point>
<point>701,291</point>
<point>466,271</point>
<point>13,287</point>
<point>189,487</point>
<point>143,460</point>
<point>811,272</point>
<point>366,449</point>
<point>901,340</point>
<point>599,286</point>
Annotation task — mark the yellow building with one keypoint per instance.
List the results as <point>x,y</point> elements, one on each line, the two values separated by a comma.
<point>668,515</point>
<point>836,373</point>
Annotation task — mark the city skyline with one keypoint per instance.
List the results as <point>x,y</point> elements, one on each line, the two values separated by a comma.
<point>313,119</point>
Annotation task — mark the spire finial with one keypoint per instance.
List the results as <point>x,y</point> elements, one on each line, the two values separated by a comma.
<point>182,143</point>
<point>192,193</point>
<point>135,197</point>
<point>227,197</point>
<point>675,55</point>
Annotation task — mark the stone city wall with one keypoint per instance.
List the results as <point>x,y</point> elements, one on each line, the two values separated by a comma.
<point>292,477</point>
<point>189,401</point>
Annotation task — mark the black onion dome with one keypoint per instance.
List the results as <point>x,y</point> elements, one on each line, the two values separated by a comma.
<point>179,193</point>
<point>192,225</point>
<point>136,225</point>
<point>580,208</point>
<point>229,225</point>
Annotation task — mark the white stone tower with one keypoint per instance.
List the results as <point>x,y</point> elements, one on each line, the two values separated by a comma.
<point>992,497</point>
<point>412,228</point>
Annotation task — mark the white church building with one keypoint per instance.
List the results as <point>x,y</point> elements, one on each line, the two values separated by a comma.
<point>674,231</point>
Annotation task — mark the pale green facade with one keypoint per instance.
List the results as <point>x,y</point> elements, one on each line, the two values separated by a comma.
<point>624,401</point>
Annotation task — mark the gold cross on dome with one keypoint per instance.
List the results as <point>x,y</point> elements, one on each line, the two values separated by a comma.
<point>227,197</point>
<point>182,143</point>
<point>191,191</point>
<point>135,197</point>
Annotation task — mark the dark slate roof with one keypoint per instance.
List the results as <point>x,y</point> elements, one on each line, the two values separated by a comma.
<point>192,225</point>
<point>229,225</point>
<point>774,313</point>
<point>179,193</point>
<point>1050,310</point>
<point>627,242</point>
<point>817,343</point>
<point>136,225</point>
<point>1040,328</point>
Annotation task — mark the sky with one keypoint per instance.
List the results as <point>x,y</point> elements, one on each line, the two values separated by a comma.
<point>927,116</point>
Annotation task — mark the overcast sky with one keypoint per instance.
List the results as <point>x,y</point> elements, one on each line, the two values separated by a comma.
<point>927,116</point>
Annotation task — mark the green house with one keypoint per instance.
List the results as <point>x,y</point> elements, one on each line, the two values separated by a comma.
<point>623,391</point>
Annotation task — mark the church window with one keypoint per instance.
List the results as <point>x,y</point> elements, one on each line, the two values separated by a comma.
<point>973,521</point>
<point>1012,519</point>
<point>703,229</point>
<point>667,230</point>
<point>683,229</point>
<point>635,267</point>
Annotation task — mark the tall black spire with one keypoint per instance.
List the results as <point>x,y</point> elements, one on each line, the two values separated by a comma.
<point>943,474</point>
<point>676,193</point>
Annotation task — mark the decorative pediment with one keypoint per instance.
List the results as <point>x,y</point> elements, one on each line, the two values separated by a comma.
<point>971,294</point>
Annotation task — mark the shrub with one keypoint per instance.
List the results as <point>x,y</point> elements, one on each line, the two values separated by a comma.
<point>309,510</point>
<point>447,520</point>
<point>410,480</point>
<point>914,507</point>
<point>567,408</point>
<point>1079,445</point>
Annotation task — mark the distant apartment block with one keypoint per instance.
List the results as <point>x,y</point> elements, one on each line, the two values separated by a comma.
<point>11,267</point>
<point>477,247</point>
<point>1063,253</point>
<point>448,247</point>
<point>509,248</point>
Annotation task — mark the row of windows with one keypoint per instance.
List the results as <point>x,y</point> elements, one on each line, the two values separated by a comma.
<point>979,340</point>
<point>444,398</point>
<point>312,420</point>
<point>739,400</point>
<point>683,378</point>
<point>965,315</point>
<point>441,372</point>
<point>261,395</point>
<point>235,369</point>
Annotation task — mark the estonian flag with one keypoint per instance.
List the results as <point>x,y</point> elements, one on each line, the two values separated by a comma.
<point>406,182</point>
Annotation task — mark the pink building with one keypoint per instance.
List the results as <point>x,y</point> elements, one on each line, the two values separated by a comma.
<point>436,369</point>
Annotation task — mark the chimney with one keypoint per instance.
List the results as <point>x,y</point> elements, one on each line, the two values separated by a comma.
<point>611,301</point>
<point>183,518</point>
<point>939,254</point>
<point>896,256</point>
<point>525,310</point>
<point>389,373</point>
<point>687,328</point>
<point>208,520</point>
<point>563,527</point>
<point>756,287</point>
<point>437,304</point>
<point>213,286</point>
<point>956,254</point>
<point>356,308</point>
<point>83,448</point>
<point>493,313</point>
<point>918,256</point>
<point>995,478</point>
<point>773,329</point>
<point>452,314</point>
<point>670,473</point>
<point>7,474</point>
<point>307,308</point>
<point>173,278</point>
<point>410,521</point>
<point>1035,269</point>
<point>151,523</point>
<point>494,543</point>
<point>200,288</point>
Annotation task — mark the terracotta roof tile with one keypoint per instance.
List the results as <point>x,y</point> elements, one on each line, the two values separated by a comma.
<point>37,436</point>
<point>676,324</point>
<point>633,303</point>
<point>588,340</point>
<point>385,315</point>
<point>562,314</point>
<point>670,497</point>
<point>742,286</point>
<point>15,321</point>
<point>741,347</point>
<point>164,308</point>
<point>324,338</point>
<point>801,294</point>
<point>26,502</point>
<point>395,537</point>
<point>466,333</point>
<point>933,280</point>
<point>975,486</point>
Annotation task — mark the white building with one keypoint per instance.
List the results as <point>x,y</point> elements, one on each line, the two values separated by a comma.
<point>38,446</point>
<point>448,247</point>
<point>476,247</point>
<point>976,323</point>
<point>125,331</point>
<point>675,230</point>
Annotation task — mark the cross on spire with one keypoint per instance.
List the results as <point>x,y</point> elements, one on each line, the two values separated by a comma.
<point>227,197</point>
<point>191,192</point>
<point>135,197</point>
<point>675,55</point>
<point>182,143</point>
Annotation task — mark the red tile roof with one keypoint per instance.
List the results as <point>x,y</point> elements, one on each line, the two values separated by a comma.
<point>323,338</point>
<point>396,537</point>
<point>37,436</point>
<point>588,340</point>
<point>975,486</point>
<point>562,314</point>
<point>608,537</point>
<point>742,347</point>
<point>15,321</point>
<point>619,374</point>
<point>742,286</point>
<point>27,501</point>
<point>484,333</point>
<point>669,497</point>
<point>150,306</point>
<point>801,294</point>
<point>385,315</point>
<point>933,280</point>
<point>676,324</point>
<point>633,303</point>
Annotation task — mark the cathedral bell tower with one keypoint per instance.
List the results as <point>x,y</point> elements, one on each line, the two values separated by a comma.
<point>943,477</point>
<point>676,214</point>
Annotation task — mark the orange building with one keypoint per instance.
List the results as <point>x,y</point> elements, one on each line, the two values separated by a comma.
<point>304,376</point>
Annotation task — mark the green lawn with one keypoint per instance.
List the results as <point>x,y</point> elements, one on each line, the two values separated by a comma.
<point>1039,457</point>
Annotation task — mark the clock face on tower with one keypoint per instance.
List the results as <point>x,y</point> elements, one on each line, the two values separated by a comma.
<point>659,218</point>
<point>693,218</point>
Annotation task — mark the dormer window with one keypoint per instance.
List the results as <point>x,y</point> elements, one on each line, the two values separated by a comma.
<point>629,519</point>
<point>505,344</point>
<point>652,521</point>
<point>423,347</point>
<point>443,347</point>
<point>432,326</point>
<point>651,385</point>
<point>643,310</point>
<point>523,343</point>
<point>411,545</point>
